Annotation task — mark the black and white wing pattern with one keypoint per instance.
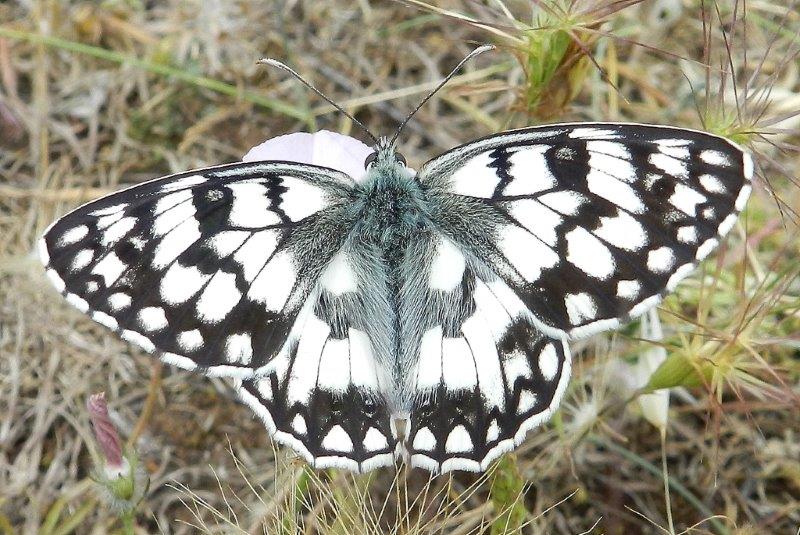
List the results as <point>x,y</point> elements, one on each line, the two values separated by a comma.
<point>445,300</point>
<point>201,267</point>
<point>238,271</point>
<point>325,392</point>
<point>484,375</point>
<point>539,236</point>
<point>590,223</point>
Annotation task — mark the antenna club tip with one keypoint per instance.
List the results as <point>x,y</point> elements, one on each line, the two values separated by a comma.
<point>266,61</point>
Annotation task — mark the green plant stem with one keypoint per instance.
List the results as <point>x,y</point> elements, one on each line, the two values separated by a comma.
<point>300,488</point>
<point>675,485</point>
<point>664,471</point>
<point>506,492</point>
<point>409,24</point>
<point>164,70</point>
<point>72,522</point>
<point>127,523</point>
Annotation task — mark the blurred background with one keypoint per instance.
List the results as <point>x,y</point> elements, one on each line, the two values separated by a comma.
<point>98,95</point>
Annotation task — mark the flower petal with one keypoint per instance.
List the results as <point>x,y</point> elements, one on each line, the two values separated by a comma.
<point>655,406</point>
<point>104,431</point>
<point>297,147</point>
<point>323,148</point>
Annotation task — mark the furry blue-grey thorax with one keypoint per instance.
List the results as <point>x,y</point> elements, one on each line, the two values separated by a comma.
<point>390,201</point>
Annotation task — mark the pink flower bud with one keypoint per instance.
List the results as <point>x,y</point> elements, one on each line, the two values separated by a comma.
<point>105,432</point>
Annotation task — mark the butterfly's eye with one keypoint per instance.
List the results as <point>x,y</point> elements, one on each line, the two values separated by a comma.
<point>370,160</point>
<point>400,158</point>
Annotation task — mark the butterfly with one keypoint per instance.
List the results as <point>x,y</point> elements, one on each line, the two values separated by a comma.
<point>399,314</point>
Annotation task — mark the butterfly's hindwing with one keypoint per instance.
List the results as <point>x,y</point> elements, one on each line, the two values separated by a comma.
<point>482,375</point>
<point>589,224</point>
<point>325,393</point>
<point>208,268</point>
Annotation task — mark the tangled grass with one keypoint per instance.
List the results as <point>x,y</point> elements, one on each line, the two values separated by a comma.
<point>94,95</point>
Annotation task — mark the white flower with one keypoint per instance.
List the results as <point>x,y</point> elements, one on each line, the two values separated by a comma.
<point>323,148</point>
<point>654,406</point>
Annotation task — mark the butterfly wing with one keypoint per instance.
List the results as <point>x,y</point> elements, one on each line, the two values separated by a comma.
<point>203,268</point>
<point>325,393</point>
<point>541,235</point>
<point>589,224</point>
<point>240,270</point>
<point>482,375</point>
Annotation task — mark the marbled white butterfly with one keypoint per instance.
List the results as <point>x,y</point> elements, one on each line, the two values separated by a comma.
<point>442,300</point>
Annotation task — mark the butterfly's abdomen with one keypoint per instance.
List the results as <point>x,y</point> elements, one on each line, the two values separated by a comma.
<point>391,213</point>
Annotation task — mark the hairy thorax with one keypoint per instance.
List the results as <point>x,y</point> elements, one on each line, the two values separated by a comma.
<point>393,207</point>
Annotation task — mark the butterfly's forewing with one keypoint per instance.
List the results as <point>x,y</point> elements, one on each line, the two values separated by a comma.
<point>202,267</point>
<point>483,375</point>
<point>590,224</point>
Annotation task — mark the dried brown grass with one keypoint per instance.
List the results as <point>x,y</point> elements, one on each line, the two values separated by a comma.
<point>73,127</point>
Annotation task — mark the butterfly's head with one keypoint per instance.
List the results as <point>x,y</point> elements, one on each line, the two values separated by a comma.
<point>384,154</point>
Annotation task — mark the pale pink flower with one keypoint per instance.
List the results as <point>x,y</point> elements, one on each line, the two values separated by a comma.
<point>632,377</point>
<point>323,148</point>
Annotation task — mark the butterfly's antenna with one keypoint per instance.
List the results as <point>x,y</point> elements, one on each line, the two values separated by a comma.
<point>278,64</point>
<point>479,50</point>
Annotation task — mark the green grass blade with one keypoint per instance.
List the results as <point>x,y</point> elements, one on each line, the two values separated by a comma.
<point>164,70</point>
